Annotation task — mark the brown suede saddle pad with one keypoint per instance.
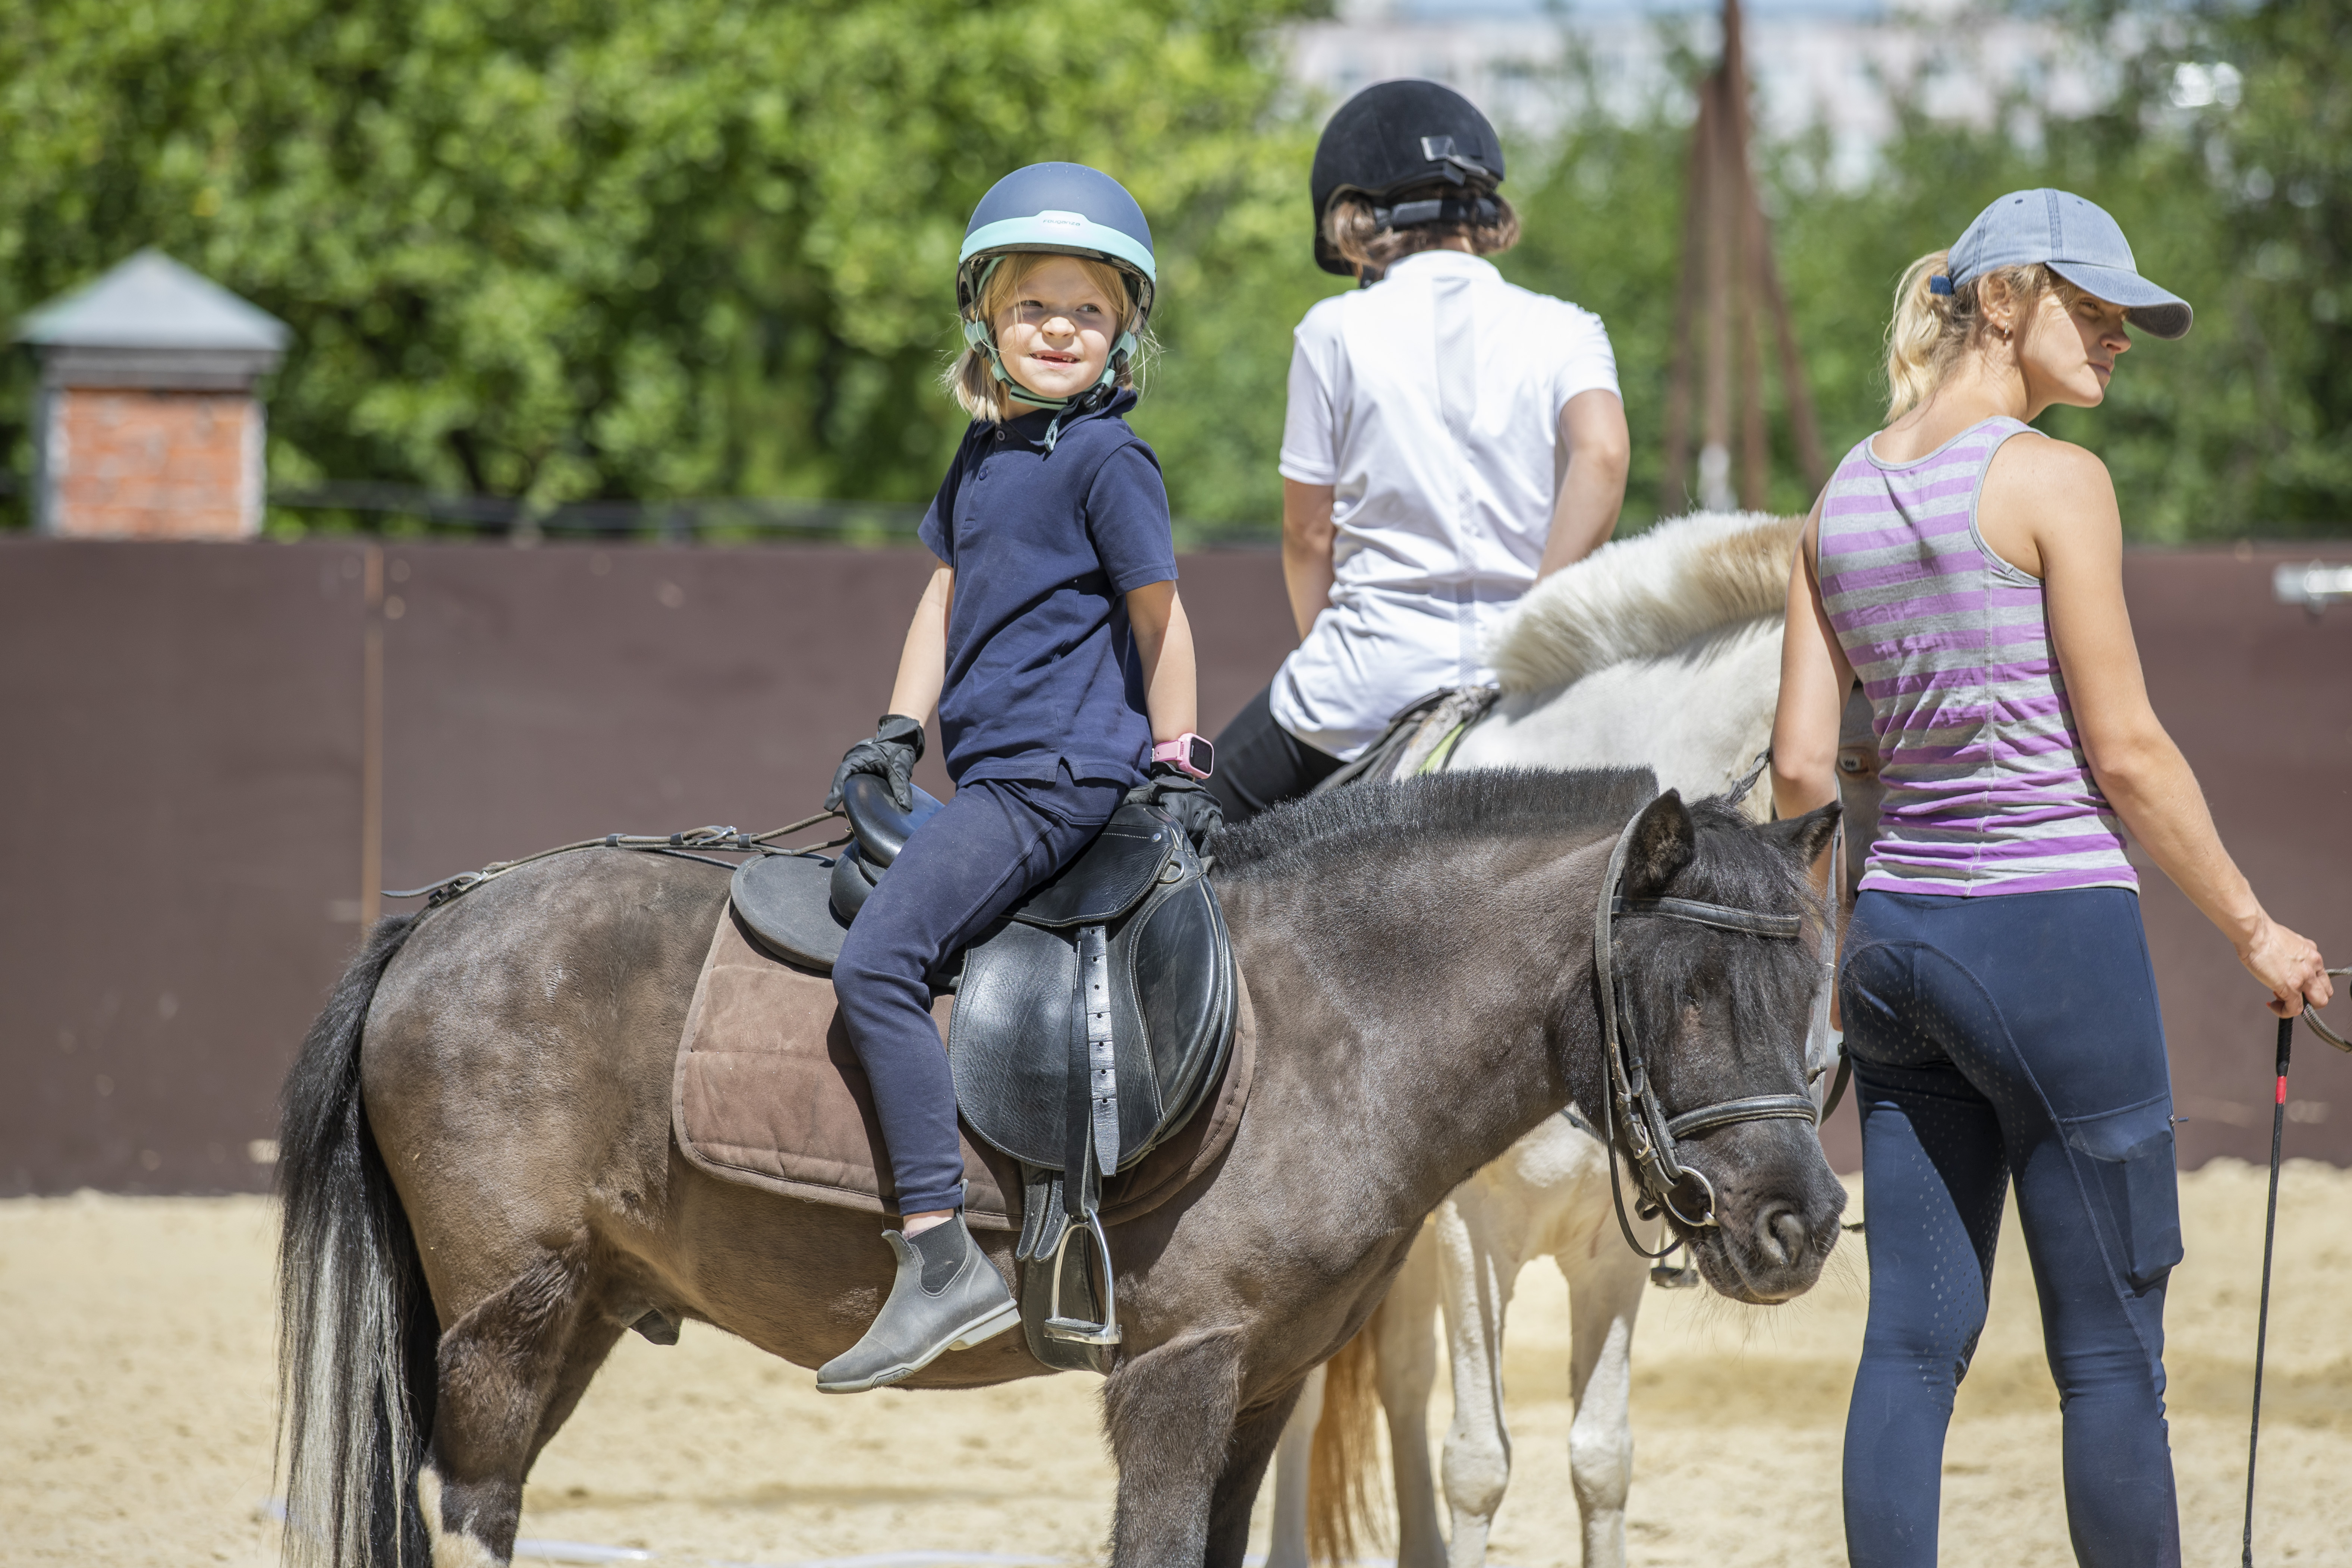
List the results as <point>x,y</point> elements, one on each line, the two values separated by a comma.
<point>768,1092</point>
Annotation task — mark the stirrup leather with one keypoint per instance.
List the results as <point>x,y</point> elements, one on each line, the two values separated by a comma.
<point>1094,1142</point>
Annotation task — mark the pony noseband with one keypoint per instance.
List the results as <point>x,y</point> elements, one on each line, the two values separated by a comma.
<point>1648,1133</point>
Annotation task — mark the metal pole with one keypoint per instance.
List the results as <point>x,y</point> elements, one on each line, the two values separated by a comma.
<point>2262,1322</point>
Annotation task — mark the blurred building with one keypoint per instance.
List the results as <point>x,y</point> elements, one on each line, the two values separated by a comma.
<point>148,423</point>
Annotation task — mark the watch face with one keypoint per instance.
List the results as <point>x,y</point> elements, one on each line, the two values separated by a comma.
<point>1198,753</point>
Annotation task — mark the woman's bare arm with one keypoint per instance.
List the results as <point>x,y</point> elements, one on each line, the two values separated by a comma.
<point>923,661</point>
<point>1163,637</point>
<point>2062,495</point>
<point>1814,680</point>
<point>1592,488</point>
<point>1307,537</point>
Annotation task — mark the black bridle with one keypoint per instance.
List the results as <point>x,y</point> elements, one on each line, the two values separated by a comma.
<point>1648,1134</point>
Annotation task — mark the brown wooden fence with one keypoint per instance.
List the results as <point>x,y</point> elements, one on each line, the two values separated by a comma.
<point>211,756</point>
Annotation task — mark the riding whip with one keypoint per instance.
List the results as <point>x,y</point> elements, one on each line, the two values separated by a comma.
<point>2270,1234</point>
<point>2262,1321</point>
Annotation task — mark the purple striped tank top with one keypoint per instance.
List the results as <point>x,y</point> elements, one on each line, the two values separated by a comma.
<point>1987,790</point>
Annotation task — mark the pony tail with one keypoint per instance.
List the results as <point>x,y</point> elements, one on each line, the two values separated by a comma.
<point>1343,1469</point>
<point>1920,338</point>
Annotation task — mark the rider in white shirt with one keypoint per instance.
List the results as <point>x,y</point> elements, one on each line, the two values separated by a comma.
<point>1451,438</point>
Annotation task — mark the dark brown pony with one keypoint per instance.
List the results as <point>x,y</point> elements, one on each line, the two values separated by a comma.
<point>482,1190</point>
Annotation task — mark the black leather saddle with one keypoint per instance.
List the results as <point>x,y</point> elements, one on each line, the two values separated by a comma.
<point>1089,1024</point>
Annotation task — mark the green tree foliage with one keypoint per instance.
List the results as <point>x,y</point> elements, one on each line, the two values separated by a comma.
<point>586,249</point>
<point>2248,199</point>
<point>591,250</point>
<point>2242,204</point>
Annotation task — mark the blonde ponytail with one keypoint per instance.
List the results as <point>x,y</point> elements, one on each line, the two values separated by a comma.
<point>1930,331</point>
<point>1921,341</point>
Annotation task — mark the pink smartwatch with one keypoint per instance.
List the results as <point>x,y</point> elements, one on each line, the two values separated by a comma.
<point>1187,753</point>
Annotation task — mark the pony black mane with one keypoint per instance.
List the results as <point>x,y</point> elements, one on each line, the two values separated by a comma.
<point>1475,803</point>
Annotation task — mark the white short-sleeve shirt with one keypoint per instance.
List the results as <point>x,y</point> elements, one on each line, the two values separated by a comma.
<point>1431,404</point>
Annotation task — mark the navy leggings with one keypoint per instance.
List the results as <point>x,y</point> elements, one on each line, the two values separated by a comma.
<point>1997,1039</point>
<point>996,839</point>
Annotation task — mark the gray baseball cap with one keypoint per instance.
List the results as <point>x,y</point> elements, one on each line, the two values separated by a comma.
<point>2076,239</point>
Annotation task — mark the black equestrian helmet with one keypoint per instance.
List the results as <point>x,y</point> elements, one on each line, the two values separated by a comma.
<point>1393,136</point>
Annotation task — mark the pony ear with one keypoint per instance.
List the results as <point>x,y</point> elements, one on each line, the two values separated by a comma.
<point>1665,841</point>
<point>1805,837</point>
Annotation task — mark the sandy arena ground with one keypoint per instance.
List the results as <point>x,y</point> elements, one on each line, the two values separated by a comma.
<point>135,1417</point>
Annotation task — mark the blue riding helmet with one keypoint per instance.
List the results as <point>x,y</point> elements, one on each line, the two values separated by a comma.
<point>1068,209</point>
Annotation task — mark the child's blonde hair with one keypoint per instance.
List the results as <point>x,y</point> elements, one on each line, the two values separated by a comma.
<point>973,377</point>
<point>1931,331</point>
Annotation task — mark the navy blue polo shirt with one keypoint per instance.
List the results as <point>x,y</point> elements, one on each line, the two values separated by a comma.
<point>1042,669</point>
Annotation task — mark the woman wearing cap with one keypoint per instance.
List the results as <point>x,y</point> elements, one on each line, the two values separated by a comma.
<point>1051,643</point>
<point>1451,438</point>
<point>1997,997</point>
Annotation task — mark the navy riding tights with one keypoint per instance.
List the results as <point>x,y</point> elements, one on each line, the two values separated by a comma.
<point>1997,1039</point>
<point>995,841</point>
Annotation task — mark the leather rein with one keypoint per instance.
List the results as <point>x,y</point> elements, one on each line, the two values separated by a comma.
<point>1632,1122</point>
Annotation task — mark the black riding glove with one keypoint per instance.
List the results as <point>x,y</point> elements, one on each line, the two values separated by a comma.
<point>891,754</point>
<point>1185,799</point>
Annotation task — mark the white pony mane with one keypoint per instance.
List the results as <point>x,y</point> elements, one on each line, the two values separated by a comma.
<point>1645,596</point>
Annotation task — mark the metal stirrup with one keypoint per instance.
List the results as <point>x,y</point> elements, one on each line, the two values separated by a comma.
<point>1078,1331</point>
<point>1096,1147</point>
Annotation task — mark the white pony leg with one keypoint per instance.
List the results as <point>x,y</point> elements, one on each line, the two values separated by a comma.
<point>1288,1547</point>
<point>1478,1264</point>
<point>1604,1295</point>
<point>1408,1369</point>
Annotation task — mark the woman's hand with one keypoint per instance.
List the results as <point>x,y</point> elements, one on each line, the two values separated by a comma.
<point>2289,963</point>
<point>2055,503</point>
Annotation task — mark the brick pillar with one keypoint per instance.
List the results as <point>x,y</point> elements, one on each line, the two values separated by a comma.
<point>149,425</point>
<point>146,463</point>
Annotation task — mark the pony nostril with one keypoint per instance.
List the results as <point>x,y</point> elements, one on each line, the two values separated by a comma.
<point>1781,1232</point>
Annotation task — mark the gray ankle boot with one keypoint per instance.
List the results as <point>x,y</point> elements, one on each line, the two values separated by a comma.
<point>948,1297</point>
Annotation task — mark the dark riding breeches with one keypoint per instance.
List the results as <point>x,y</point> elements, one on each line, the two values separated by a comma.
<point>991,844</point>
<point>1995,1039</point>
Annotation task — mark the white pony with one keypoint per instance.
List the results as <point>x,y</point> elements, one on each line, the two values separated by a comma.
<point>1662,649</point>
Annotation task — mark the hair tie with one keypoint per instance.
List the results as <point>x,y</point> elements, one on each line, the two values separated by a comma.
<point>1940,284</point>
